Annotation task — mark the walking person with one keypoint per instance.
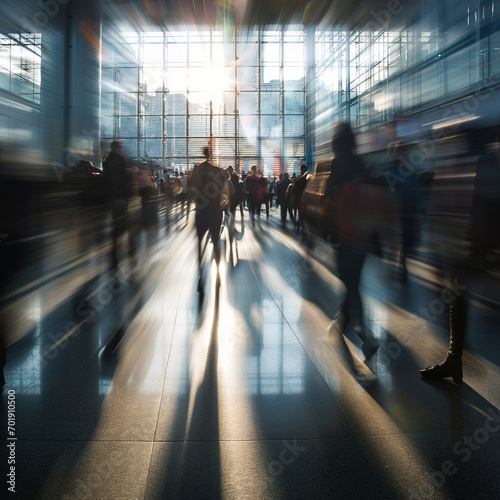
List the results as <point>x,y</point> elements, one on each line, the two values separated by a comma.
<point>349,207</point>
<point>208,184</point>
<point>118,188</point>
<point>457,243</point>
<point>281,189</point>
<point>253,193</point>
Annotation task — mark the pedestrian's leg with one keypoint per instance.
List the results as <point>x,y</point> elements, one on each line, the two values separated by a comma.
<point>452,364</point>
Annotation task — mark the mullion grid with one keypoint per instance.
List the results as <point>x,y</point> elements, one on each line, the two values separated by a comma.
<point>145,136</point>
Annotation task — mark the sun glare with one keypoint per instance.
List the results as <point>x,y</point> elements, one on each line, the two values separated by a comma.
<point>208,84</point>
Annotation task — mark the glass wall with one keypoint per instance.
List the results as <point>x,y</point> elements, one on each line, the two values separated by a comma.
<point>170,94</point>
<point>20,65</point>
<point>445,51</point>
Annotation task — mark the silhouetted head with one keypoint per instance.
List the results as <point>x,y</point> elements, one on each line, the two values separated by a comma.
<point>343,139</point>
<point>117,147</point>
<point>303,169</point>
<point>206,153</point>
<point>230,169</point>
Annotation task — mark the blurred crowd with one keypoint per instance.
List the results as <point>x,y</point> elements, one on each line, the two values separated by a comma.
<point>436,196</point>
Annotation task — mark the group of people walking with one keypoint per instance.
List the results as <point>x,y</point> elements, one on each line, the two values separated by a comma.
<point>356,208</point>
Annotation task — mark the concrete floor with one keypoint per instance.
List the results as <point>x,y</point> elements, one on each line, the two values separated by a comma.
<point>127,387</point>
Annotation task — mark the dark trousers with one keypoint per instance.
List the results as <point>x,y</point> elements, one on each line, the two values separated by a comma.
<point>350,259</point>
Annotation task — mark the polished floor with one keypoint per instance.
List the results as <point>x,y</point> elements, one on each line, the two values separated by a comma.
<point>127,386</point>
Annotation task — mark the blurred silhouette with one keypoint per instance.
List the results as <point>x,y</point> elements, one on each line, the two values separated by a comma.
<point>256,193</point>
<point>237,198</point>
<point>405,193</point>
<point>298,189</point>
<point>353,205</point>
<point>458,234</point>
<point>118,189</point>
<point>209,186</point>
<point>281,190</point>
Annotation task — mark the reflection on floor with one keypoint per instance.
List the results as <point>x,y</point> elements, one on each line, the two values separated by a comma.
<point>127,387</point>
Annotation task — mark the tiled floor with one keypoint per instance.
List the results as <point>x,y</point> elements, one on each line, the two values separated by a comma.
<point>126,387</point>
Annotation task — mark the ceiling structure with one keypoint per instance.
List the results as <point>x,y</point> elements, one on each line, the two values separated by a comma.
<point>335,13</point>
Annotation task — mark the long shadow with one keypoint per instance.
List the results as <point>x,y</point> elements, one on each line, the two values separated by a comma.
<point>60,384</point>
<point>414,405</point>
<point>192,467</point>
<point>304,440</point>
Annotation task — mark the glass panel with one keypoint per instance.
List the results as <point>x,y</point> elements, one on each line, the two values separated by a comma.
<point>153,147</point>
<point>223,151</point>
<point>176,78</point>
<point>294,103</point>
<point>127,79</point>
<point>175,147</point>
<point>223,125</point>
<point>196,147</point>
<point>293,78</point>
<point>429,83</point>
<point>153,126</point>
<point>271,77</point>
<point>199,53</point>
<point>176,54</point>
<point>248,148</point>
<point>293,54</point>
<point>271,53</point>
<point>247,54</point>
<point>270,126</point>
<point>294,147</point>
<point>247,78</point>
<point>198,103</point>
<point>176,104</point>
<point>247,102</point>
<point>175,126</point>
<point>294,125</point>
<point>461,70</point>
<point>127,126</point>
<point>107,124</point>
<point>126,104</point>
<point>270,102</point>
<point>199,126</point>
<point>248,127</point>
<point>130,147</point>
<point>153,53</point>
<point>152,78</point>
<point>228,103</point>
<point>108,79</point>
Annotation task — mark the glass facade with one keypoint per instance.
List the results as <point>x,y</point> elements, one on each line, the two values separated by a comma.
<point>169,94</point>
<point>20,65</point>
<point>368,77</point>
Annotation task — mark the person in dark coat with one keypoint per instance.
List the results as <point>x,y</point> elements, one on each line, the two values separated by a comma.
<point>209,187</point>
<point>118,189</point>
<point>281,188</point>
<point>344,189</point>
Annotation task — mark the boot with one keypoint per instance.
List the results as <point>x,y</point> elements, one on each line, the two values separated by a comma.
<point>452,365</point>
